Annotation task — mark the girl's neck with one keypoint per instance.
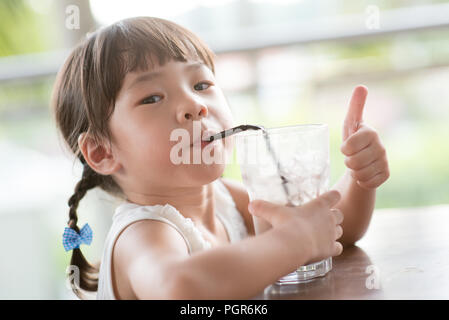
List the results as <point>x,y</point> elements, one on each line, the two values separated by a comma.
<point>196,203</point>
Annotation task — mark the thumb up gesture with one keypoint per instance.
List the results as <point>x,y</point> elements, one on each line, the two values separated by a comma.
<point>365,156</point>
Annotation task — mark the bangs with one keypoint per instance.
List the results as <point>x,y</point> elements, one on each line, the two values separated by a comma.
<point>142,38</point>
<point>132,44</point>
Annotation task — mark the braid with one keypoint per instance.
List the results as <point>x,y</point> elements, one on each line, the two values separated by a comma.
<point>89,180</point>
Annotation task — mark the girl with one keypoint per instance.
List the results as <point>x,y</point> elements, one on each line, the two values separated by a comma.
<point>116,100</point>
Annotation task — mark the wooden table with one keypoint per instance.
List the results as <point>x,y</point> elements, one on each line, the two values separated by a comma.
<point>403,255</point>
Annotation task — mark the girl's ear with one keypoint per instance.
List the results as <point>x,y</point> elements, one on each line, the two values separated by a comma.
<point>99,157</point>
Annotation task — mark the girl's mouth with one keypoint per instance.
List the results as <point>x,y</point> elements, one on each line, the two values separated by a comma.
<point>201,144</point>
<point>203,141</point>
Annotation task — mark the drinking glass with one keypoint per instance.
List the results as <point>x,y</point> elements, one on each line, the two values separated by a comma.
<point>290,168</point>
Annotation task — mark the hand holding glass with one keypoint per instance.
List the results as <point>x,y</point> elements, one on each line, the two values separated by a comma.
<point>293,172</point>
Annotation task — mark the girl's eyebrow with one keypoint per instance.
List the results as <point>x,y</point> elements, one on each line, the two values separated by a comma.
<point>145,77</point>
<point>155,74</point>
<point>196,65</point>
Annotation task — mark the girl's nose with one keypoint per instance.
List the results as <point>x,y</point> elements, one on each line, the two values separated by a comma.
<point>192,110</point>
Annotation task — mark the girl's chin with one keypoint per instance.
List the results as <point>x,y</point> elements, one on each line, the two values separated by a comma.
<point>206,173</point>
<point>206,168</point>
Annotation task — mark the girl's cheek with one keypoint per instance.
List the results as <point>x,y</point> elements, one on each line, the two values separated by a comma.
<point>158,158</point>
<point>225,117</point>
<point>223,112</point>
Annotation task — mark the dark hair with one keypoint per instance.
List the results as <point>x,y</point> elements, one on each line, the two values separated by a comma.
<point>86,88</point>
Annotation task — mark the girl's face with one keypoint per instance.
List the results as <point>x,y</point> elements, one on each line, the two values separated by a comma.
<point>149,107</point>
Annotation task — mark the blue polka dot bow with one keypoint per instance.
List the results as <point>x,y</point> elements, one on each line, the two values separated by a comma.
<point>72,240</point>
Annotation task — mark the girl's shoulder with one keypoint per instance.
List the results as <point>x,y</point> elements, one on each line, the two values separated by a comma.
<point>144,245</point>
<point>241,199</point>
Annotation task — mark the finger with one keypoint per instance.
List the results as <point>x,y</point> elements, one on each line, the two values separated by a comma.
<point>359,140</point>
<point>375,181</point>
<point>326,200</point>
<point>354,115</point>
<point>338,249</point>
<point>364,158</point>
<point>338,232</point>
<point>269,211</point>
<point>369,171</point>
<point>338,215</point>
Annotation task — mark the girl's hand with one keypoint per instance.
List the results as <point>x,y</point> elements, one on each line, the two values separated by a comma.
<point>313,224</point>
<point>366,157</point>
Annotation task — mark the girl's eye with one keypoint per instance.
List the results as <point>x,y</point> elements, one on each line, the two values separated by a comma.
<point>151,99</point>
<point>201,86</point>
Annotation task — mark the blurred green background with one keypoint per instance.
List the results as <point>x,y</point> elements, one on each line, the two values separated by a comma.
<point>297,64</point>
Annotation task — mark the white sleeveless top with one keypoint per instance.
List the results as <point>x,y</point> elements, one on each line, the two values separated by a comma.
<point>127,213</point>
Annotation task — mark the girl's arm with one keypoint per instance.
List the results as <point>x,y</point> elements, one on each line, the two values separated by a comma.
<point>240,270</point>
<point>367,168</point>
<point>357,205</point>
<point>234,271</point>
<point>154,257</point>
